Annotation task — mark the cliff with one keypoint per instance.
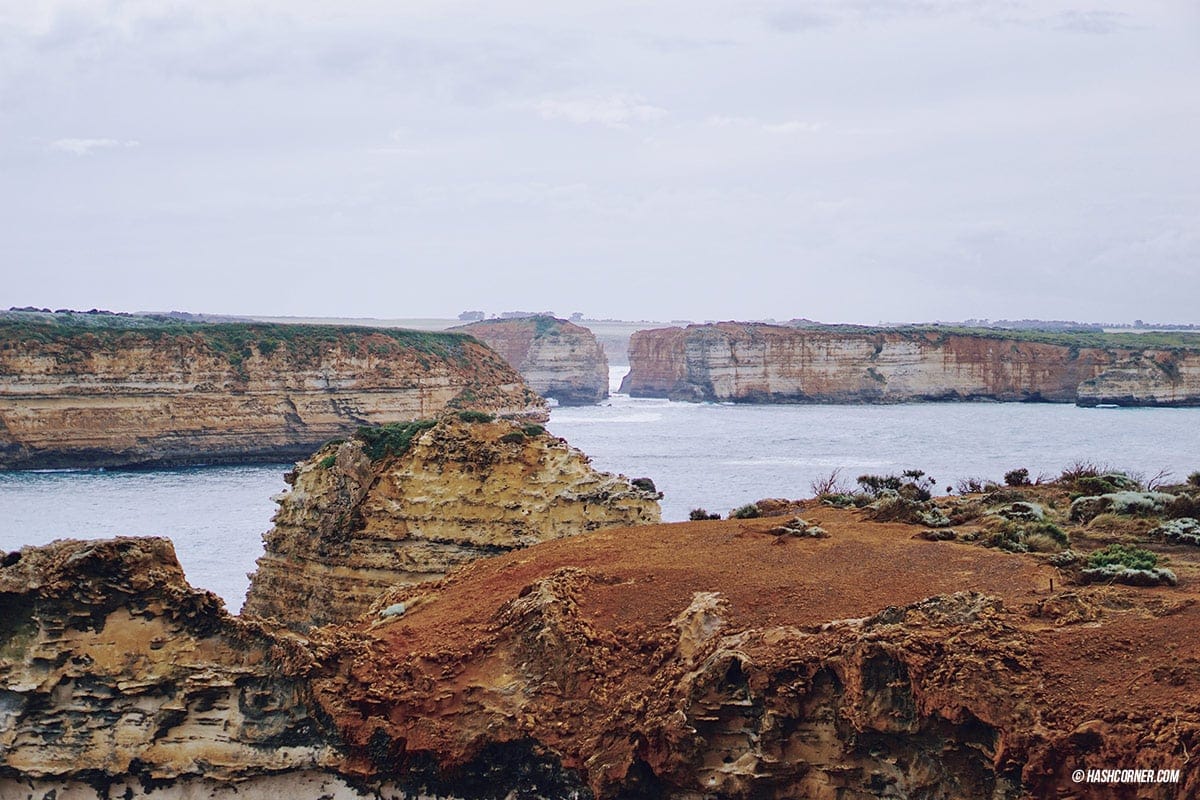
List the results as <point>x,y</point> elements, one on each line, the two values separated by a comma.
<point>171,393</point>
<point>116,676</point>
<point>776,364</point>
<point>362,516</point>
<point>720,659</point>
<point>557,358</point>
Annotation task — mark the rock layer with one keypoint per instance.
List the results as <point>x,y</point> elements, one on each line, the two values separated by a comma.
<point>352,527</point>
<point>224,393</point>
<point>115,673</point>
<point>557,358</point>
<point>776,364</point>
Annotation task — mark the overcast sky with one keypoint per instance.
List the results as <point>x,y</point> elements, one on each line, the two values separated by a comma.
<point>850,161</point>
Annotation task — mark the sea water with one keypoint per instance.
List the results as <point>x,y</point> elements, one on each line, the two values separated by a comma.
<point>711,456</point>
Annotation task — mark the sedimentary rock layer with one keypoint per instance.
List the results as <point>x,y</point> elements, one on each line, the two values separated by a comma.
<point>557,358</point>
<point>358,521</point>
<point>115,673</point>
<point>776,364</point>
<point>221,393</point>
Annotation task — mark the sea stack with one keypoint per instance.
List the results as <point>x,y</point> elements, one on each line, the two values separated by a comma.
<point>405,504</point>
<point>559,359</point>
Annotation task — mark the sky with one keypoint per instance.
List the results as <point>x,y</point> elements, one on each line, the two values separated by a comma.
<point>844,161</point>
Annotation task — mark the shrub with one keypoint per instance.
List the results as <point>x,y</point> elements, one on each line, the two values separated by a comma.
<point>1120,555</point>
<point>1017,477</point>
<point>392,439</point>
<point>328,461</point>
<point>912,484</point>
<point>697,514</point>
<point>830,484</point>
<point>1084,509</point>
<point>1179,531</point>
<point>1194,479</point>
<point>973,485</point>
<point>532,430</point>
<point>748,511</point>
<point>1183,505</point>
<point>513,437</point>
<point>645,484</point>
<point>1020,536</point>
<point>475,416</point>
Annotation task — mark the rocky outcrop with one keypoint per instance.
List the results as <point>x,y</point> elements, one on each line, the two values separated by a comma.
<point>361,518</point>
<point>559,359</point>
<point>755,363</point>
<point>718,660</point>
<point>176,393</point>
<point>707,659</point>
<point>118,679</point>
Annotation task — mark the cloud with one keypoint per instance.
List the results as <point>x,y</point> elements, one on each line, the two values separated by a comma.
<point>85,147</point>
<point>612,111</point>
<point>786,127</point>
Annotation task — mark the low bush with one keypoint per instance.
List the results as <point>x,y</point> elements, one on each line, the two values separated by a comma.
<point>912,484</point>
<point>475,416</point>
<point>1122,555</point>
<point>698,514</point>
<point>1194,479</point>
<point>748,511</point>
<point>645,484</point>
<point>1185,530</point>
<point>513,437</point>
<point>1017,477</point>
<point>328,461</point>
<point>392,439</point>
<point>532,430</point>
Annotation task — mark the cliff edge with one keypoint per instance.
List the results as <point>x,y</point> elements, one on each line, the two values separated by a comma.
<point>171,393</point>
<point>758,363</point>
<point>559,359</point>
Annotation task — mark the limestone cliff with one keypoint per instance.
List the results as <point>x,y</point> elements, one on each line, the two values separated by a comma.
<point>777,364</point>
<point>695,660</point>
<point>174,393</point>
<point>557,358</point>
<point>361,517</point>
<point>115,675</point>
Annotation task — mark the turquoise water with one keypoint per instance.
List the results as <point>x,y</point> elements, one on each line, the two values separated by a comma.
<point>712,456</point>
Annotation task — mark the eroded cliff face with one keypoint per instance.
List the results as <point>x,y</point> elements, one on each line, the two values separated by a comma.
<point>116,675</point>
<point>356,522</point>
<point>694,660</point>
<point>557,358</point>
<point>768,363</point>
<point>227,393</point>
<point>715,660</point>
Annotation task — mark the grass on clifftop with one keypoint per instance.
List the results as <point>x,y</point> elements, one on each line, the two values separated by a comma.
<point>392,439</point>
<point>235,340</point>
<point>1151,340</point>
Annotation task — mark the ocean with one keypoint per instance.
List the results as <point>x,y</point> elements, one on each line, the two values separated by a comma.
<point>711,456</point>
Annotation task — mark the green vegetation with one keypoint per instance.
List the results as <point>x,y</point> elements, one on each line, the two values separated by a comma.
<point>513,437</point>
<point>532,429</point>
<point>1120,555</point>
<point>328,461</point>
<point>476,416</point>
<point>912,484</point>
<point>1017,477</point>
<point>235,340</point>
<point>392,439</point>
<point>748,511</point>
<point>698,514</point>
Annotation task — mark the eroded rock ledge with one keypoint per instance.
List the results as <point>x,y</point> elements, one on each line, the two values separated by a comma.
<point>757,363</point>
<point>170,393</point>
<point>557,358</point>
<point>360,518</point>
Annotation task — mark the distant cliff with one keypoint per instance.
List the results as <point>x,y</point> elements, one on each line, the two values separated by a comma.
<point>175,393</point>
<point>557,358</point>
<point>755,363</point>
<point>405,504</point>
